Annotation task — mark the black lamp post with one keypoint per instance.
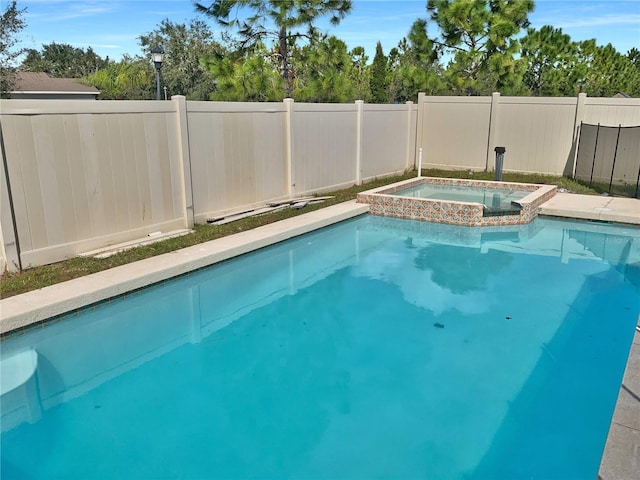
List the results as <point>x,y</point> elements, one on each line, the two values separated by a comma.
<point>157,55</point>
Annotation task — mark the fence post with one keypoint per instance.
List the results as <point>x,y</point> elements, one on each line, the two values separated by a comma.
<point>577,123</point>
<point>182,135</point>
<point>288,136</point>
<point>492,134</point>
<point>420,123</point>
<point>409,125</point>
<point>359,113</point>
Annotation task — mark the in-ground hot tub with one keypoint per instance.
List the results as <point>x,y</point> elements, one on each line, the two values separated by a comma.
<point>458,201</point>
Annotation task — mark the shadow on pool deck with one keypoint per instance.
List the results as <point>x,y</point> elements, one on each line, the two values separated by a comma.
<point>621,459</point>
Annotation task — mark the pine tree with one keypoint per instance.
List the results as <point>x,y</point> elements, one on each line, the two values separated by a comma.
<point>414,66</point>
<point>609,72</point>
<point>326,72</point>
<point>634,56</point>
<point>379,91</point>
<point>481,36</point>
<point>548,56</point>
<point>277,19</point>
<point>243,76</point>
<point>360,74</point>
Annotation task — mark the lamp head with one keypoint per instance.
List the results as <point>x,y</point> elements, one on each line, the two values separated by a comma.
<point>157,55</point>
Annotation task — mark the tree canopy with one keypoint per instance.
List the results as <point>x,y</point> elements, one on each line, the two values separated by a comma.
<point>414,66</point>
<point>62,60</point>
<point>378,83</point>
<point>482,37</point>
<point>245,76</point>
<point>279,20</point>
<point>268,50</point>
<point>185,46</point>
<point>11,24</point>
<point>548,55</point>
<point>131,78</point>
<point>557,66</point>
<point>327,73</point>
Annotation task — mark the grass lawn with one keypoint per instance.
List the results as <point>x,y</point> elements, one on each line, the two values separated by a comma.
<point>42,276</point>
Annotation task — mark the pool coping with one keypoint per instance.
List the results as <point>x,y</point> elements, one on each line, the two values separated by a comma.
<point>621,456</point>
<point>32,308</point>
<point>593,207</point>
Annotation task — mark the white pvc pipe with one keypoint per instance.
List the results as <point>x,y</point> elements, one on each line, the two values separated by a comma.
<point>419,162</point>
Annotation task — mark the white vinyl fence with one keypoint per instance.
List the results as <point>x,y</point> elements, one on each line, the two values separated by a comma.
<point>82,175</point>
<point>85,174</point>
<point>244,154</point>
<point>539,133</point>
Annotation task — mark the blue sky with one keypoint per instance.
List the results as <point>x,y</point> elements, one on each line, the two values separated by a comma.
<point>112,27</point>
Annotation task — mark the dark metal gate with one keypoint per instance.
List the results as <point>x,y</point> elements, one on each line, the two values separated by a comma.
<point>608,159</point>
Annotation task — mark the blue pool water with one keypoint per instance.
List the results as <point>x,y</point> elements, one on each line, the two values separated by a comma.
<point>495,197</point>
<point>376,348</point>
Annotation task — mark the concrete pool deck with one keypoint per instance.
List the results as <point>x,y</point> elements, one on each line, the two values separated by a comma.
<point>621,459</point>
<point>593,207</point>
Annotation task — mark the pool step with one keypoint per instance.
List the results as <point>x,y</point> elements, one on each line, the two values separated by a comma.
<point>499,211</point>
<point>18,389</point>
<point>17,369</point>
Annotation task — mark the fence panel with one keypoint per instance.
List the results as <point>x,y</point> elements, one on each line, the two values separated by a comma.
<point>238,155</point>
<point>612,111</point>
<point>387,143</point>
<point>324,146</point>
<point>88,174</point>
<point>454,132</point>
<point>537,133</point>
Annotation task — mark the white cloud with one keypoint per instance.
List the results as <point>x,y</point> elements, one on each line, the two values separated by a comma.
<point>65,10</point>
<point>599,21</point>
<point>96,45</point>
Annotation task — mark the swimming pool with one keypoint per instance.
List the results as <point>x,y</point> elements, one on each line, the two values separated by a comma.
<point>376,347</point>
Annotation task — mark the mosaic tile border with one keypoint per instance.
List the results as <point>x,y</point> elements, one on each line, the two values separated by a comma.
<point>382,202</point>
